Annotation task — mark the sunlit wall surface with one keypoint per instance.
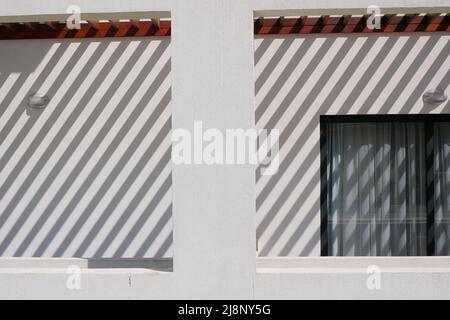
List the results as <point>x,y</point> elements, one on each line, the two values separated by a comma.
<point>89,175</point>
<point>299,78</point>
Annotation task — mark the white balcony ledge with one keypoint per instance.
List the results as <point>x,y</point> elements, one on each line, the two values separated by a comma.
<point>334,264</point>
<point>49,265</point>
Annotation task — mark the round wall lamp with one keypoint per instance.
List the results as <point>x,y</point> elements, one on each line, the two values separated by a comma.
<point>434,97</point>
<point>38,101</point>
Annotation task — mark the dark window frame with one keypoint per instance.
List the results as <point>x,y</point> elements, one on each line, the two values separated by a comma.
<point>427,119</point>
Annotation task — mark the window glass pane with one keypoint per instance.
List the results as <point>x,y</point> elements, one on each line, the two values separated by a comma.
<point>441,187</point>
<point>376,202</point>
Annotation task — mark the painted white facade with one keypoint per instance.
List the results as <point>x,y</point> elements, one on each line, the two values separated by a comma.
<point>300,78</point>
<point>215,219</point>
<point>89,175</point>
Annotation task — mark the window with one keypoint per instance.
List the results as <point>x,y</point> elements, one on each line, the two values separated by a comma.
<point>385,185</point>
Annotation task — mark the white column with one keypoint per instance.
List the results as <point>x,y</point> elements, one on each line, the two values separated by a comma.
<point>213,206</point>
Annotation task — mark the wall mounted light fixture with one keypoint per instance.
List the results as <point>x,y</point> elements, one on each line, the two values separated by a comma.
<point>434,97</point>
<point>38,101</point>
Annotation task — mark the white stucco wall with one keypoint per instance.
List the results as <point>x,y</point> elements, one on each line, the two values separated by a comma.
<point>89,175</point>
<point>299,78</point>
<point>212,79</point>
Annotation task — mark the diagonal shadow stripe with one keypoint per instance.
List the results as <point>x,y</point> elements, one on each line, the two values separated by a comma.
<point>9,126</point>
<point>55,143</point>
<point>426,79</point>
<point>354,94</point>
<point>282,108</point>
<point>262,48</point>
<point>296,87</point>
<point>274,60</point>
<point>444,83</point>
<point>292,212</point>
<point>165,159</point>
<point>41,162</point>
<point>307,131</point>
<point>71,148</point>
<point>25,158</point>
<point>409,73</point>
<point>117,168</point>
<point>262,196</point>
<point>7,100</point>
<point>74,59</point>
<point>165,246</point>
<point>153,235</point>
<point>156,144</point>
<point>16,89</point>
<point>103,103</point>
<point>132,147</point>
<point>364,80</point>
<point>3,77</point>
<point>388,74</point>
<point>306,74</point>
<point>107,154</point>
<point>144,217</point>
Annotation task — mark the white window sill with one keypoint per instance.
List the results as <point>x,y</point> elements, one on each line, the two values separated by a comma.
<point>57,265</point>
<point>351,264</point>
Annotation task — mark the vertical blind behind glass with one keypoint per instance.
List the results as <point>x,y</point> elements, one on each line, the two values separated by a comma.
<point>442,188</point>
<point>376,200</point>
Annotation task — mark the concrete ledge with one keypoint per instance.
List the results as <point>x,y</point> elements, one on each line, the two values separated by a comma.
<point>393,285</point>
<point>47,278</point>
<point>95,284</point>
<point>346,278</point>
<point>154,264</point>
<point>263,263</point>
<point>276,278</point>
